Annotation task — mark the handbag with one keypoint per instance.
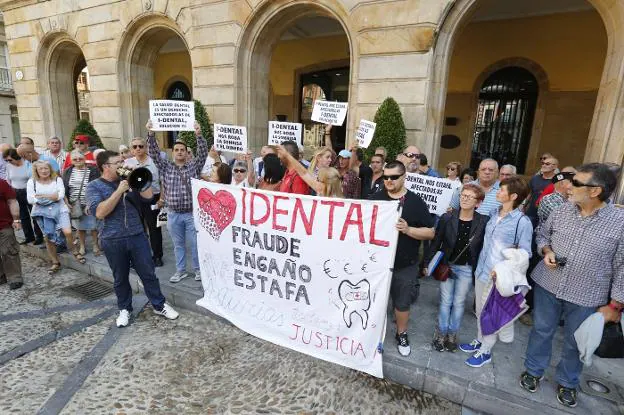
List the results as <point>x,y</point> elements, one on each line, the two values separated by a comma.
<point>76,210</point>
<point>612,343</point>
<point>443,271</point>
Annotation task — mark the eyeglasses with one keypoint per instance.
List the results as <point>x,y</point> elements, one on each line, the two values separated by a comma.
<point>79,142</point>
<point>467,197</point>
<point>392,176</point>
<point>412,155</point>
<point>137,146</point>
<point>576,183</point>
<point>240,171</point>
<point>80,159</point>
<point>546,164</point>
<point>451,168</point>
<point>110,163</point>
<point>9,160</point>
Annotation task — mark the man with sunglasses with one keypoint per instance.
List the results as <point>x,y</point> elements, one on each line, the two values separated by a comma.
<point>410,157</point>
<point>142,159</point>
<point>415,225</point>
<point>537,185</point>
<point>582,243</point>
<point>81,143</point>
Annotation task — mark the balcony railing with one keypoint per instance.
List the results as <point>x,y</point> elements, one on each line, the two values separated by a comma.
<point>5,80</point>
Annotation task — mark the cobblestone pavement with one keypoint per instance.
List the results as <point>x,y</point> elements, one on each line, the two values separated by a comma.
<point>194,365</point>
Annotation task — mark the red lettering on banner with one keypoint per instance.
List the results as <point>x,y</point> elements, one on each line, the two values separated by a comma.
<point>332,204</point>
<point>357,208</point>
<point>307,221</point>
<point>372,239</point>
<point>244,206</point>
<point>252,220</point>
<point>277,211</point>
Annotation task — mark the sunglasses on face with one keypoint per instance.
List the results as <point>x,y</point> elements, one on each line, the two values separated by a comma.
<point>546,164</point>
<point>391,176</point>
<point>137,146</point>
<point>451,168</point>
<point>240,171</point>
<point>79,142</point>
<point>576,183</point>
<point>9,160</point>
<point>412,155</point>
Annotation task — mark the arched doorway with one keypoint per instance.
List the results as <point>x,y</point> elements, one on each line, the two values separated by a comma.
<point>61,64</point>
<point>153,53</point>
<point>180,91</point>
<point>578,110</point>
<point>286,50</point>
<point>504,118</point>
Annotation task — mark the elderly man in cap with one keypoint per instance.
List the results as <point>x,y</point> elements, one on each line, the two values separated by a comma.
<point>81,143</point>
<point>563,185</point>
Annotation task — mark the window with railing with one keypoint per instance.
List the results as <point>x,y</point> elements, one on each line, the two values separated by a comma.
<point>5,72</point>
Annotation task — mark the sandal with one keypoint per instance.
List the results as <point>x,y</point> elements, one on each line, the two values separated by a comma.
<point>56,267</point>
<point>79,257</point>
<point>97,251</point>
<point>82,251</point>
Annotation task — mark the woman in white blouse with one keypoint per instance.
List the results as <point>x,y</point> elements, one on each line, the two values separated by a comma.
<point>46,192</point>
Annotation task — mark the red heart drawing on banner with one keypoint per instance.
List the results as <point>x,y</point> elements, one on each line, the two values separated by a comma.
<point>216,210</point>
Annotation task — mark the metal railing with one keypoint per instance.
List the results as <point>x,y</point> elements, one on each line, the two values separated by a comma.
<point>5,80</point>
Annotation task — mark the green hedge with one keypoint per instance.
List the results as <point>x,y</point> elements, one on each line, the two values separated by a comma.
<point>201,116</point>
<point>84,127</point>
<point>390,130</point>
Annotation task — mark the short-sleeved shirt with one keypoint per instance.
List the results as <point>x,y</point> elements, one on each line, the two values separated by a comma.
<point>293,183</point>
<point>124,220</point>
<point>537,185</point>
<point>366,176</point>
<point>416,214</point>
<point>6,194</point>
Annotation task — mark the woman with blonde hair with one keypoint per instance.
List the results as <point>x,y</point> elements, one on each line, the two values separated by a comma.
<point>453,169</point>
<point>46,192</point>
<point>323,157</point>
<point>331,183</point>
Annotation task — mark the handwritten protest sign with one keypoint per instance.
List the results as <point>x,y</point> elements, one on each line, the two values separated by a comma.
<point>171,115</point>
<point>365,133</point>
<point>436,192</point>
<point>328,112</point>
<point>231,138</point>
<point>284,131</point>
<point>308,273</point>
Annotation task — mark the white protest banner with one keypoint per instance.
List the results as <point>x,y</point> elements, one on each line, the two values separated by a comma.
<point>436,192</point>
<point>329,112</point>
<point>308,273</point>
<point>231,138</point>
<point>284,131</point>
<point>171,115</point>
<point>365,132</point>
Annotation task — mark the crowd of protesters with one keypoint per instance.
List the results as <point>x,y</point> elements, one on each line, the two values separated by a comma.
<point>557,239</point>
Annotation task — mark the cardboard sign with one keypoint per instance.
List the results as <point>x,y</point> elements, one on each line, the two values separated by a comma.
<point>284,131</point>
<point>171,115</point>
<point>328,112</point>
<point>365,133</point>
<point>436,192</point>
<point>307,273</point>
<point>231,138</point>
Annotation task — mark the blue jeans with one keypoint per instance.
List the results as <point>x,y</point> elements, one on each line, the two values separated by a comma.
<point>135,250</point>
<point>453,293</point>
<point>546,315</point>
<point>181,227</point>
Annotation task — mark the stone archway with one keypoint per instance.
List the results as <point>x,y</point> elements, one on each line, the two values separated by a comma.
<point>256,44</point>
<point>60,62</point>
<point>139,51</point>
<point>607,127</point>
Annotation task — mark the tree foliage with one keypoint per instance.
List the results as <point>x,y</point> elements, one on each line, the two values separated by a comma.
<point>201,116</point>
<point>390,130</point>
<point>84,127</point>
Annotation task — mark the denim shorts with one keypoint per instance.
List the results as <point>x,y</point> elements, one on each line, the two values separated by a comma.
<point>85,223</point>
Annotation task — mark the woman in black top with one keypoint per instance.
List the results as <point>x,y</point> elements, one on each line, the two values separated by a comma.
<point>459,235</point>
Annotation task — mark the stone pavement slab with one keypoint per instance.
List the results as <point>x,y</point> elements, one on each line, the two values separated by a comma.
<point>493,388</point>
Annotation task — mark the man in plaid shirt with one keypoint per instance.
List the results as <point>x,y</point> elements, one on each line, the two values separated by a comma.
<point>583,271</point>
<point>175,177</point>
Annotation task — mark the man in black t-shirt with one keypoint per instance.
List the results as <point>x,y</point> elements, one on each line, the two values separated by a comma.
<point>365,173</point>
<point>415,225</point>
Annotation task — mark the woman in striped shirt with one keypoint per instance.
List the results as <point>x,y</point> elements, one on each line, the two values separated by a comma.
<point>75,179</point>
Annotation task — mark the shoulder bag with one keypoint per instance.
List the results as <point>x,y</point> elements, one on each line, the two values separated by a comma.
<point>76,210</point>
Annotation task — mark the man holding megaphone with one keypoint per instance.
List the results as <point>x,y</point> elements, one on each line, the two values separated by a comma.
<point>121,232</point>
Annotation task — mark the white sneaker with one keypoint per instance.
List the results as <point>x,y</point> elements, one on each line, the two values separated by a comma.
<point>178,276</point>
<point>197,275</point>
<point>167,312</point>
<point>123,319</point>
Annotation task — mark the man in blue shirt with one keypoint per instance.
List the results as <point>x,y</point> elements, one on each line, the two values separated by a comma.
<point>425,168</point>
<point>122,236</point>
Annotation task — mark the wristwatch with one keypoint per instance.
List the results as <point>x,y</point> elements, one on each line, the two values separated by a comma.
<point>17,221</point>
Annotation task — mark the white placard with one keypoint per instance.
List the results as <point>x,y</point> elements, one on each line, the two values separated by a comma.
<point>232,138</point>
<point>284,131</point>
<point>308,273</point>
<point>365,133</point>
<point>329,112</point>
<point>172,115</point>
<point>436,192</point>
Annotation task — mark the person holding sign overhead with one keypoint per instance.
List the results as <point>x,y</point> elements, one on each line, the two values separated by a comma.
<point>175,176</point>
<point>415,225</point>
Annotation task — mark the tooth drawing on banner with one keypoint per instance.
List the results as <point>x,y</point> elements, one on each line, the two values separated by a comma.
<point>356,300</point>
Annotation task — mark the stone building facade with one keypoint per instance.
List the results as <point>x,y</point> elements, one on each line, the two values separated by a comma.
<point>248,61</point>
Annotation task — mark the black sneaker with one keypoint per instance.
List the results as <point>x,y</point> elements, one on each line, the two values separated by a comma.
<point>530,382</point>
<point>16,285</point>
<point>158,262</point>
<point>566,396</point>
<point>3,279</point>
<point>403,344</point>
